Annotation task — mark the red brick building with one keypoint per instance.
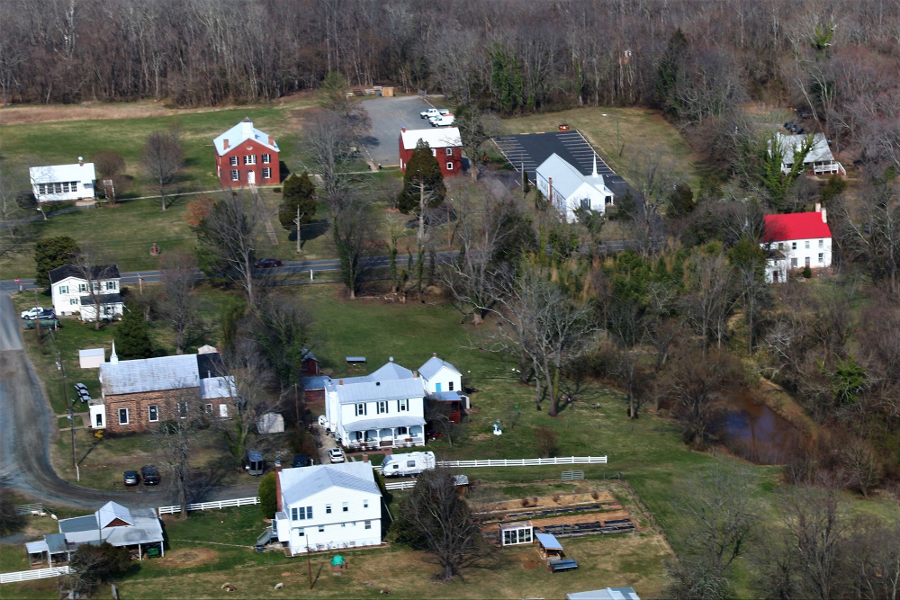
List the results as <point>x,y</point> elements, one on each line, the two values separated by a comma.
<point>445,143</point>
<point>246,156</point>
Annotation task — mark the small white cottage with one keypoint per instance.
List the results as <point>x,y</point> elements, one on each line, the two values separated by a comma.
<point>60,183</point>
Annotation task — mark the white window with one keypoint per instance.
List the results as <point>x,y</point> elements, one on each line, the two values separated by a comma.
<point>223,411</point>
<point>434,152</point>
<point>821,257</point>
<point>449,151</point>
<point>449,166</point>
<point>82,287</point>
<point>368,524</point>
<point>99,420</point>
<point>807,244</point>
<point>250,159</point>
<point>321,529</point>
<point>821,243</point>
<point>110,286</point>
<point>403,405</point>
<point>74,185</point>
<point>346,507</point>
<point>233,161</point>
<point>299,531</point>
<point>123,416</point>
<point>182,410</point>
<point>360,410</point>
<point>382,407</point>
<point>73,301</point>
<point>58,187</point>
<point>366,503</point>
<point>327,509</point>
<point>266,158</point>
<point>235,175</point>
<point>209,409</point>
<point>301,513</point>
<point>153,411</point>
<point>267,173</point>
<point>66,186</point>
<point>63,289</point>
<point>42,189</point>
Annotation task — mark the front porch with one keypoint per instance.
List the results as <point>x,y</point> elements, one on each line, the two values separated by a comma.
<point>385,437</point>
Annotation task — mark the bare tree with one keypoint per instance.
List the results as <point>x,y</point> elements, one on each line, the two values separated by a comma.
<point>96,272</point>
<point>697,384</point>
<point>710,297</point>
<point>329,138</point>
<point>178,273</point>
<point>251,392</point>
<point>227,241</point>
<point>435,517</point>
<point>163,157</point>
<point>353,229</point>
<point>654,176</point>
<point>182,419</point>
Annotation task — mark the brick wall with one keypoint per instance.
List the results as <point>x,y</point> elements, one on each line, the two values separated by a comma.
<point>138,406</point>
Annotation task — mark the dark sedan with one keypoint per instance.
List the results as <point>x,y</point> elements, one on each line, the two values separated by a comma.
<point>150,475</point>
<point>132,478</point>
<point>268,263</point>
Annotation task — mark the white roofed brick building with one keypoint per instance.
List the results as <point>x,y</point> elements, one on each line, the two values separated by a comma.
<point>63,183</point>
<point>568,190</point>
<point>445,144</point>
<point>247,156</point>
<point>327,507</point>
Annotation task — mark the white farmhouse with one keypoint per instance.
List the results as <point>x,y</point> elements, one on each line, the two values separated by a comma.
<point>819,159</point>
<point>440,376</point>
<point>568,190</point>
<point>60,183</point>
<point>796,241</point>
<point>325,507</point>
<point>70,289</point>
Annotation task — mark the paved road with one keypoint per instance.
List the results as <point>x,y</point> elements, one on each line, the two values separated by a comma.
<point>26,424</point>
<point>388,116</point>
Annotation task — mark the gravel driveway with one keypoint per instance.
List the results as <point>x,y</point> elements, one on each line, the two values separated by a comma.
<point>388,116</point>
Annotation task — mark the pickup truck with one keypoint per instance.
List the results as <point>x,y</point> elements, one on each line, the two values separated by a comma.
<point>433,113</point>
<point>443,121</point>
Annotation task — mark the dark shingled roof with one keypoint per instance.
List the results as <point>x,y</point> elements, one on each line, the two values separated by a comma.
<point>98,272</point>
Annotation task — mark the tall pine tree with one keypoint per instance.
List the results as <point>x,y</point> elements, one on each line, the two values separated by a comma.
<point>132,337</point>
<point>299,192</point>
<point>53,252</point>
<point>422,168</point>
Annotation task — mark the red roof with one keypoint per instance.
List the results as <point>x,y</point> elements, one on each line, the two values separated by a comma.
<point>798,226</point>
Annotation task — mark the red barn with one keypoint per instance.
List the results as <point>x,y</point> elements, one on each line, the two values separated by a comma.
<point>445,143</point>
<point>245,155</point>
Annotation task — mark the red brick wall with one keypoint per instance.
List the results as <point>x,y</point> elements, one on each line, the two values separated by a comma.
<point>249,147</point>
<point>440,155</point>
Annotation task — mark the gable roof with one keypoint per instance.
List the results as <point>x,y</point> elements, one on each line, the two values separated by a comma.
<point>150,374</point>
<point>436,137</point>
<point>796,226</point>
<point>371,391</point>
<point>297,484</point>
<point>111,511</point>
<point>240,133</point>
<point>390,370</point>
<point>566,178</point>
<point>60,173</point>
<point>819,151</point>
<point>433,365</point>
<point>98,272</point>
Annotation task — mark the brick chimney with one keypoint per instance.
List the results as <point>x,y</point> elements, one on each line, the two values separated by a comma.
<point>403,129</point>
<point>434,354</point>
<point>226,143</point>
<point>818,207</point>
<point>824,216</point>
<point>415,374</point>
<point>271,141</point>
<point>278,506</point>
<point>340,382</point>
<point>365,458</point>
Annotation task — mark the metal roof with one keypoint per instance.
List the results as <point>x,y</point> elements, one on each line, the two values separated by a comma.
<point>433,365</point>
<point>384,423</point>
<point>91,352</point>
<point>104,299</point>
<point>99,272</point>
<point>391,370</point>
<point>297,484</point>
<point>61,173</point>
<point>56,543</point>
<point>436,137</point>
<point>240,133</point>
<point>315,383</point>
<point>371,391</point>
<point>610,593</point>
<point>111,511</point>
<point>445,396</point>
<point>567,179</point>
<point>143,528</point>
<point>795,226</point>
<point>149,375</point>
<point>818,153</point>
<point>548,541</point>
<point>213,388</point>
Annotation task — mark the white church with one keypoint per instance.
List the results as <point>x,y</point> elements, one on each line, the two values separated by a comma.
<point>568,190</point>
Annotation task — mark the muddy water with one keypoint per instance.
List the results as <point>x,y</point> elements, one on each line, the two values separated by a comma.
<point>758,433</point>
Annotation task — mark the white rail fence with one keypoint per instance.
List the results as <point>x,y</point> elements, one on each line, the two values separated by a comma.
<point>171,510</point>
<point>524,462</point>
<point>35,574</point>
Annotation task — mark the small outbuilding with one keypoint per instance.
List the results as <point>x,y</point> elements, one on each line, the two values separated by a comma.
<point>548,546</point>
<point>515,534</point>
<point>91,358</point>
<point>270,423</point>
<point>61,183</point>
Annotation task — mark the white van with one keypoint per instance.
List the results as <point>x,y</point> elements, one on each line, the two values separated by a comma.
<point>412,463</point>
<point>443,121</point>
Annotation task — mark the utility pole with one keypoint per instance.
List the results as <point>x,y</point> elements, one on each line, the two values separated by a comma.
<point>71,408</point>
<point>297,405</point>
<point>309,565</point>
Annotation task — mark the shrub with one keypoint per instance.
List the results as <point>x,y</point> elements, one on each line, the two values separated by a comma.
<point>525,502</point>
<point>807,272</point>
<point>277,190</point>
<point>545,441</point>
<point>556,498</point>
<point>10,522</point>
<point>268,495</point>
<point>595,494</point>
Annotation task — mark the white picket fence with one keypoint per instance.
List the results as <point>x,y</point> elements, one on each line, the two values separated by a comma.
<point>524,462</point>
<point>35,574</point>
<point>171,510</point>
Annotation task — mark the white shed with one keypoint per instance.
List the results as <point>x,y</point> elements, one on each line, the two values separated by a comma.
<point>60,183</point>
<point>91,358</point>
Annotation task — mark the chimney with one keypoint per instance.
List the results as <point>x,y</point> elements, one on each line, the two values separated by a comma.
<point>824,216</point>
<point>403,130</point>
<point>278,506</point>
<point>226,143</point>
<point>247,127</point>
<point>415,374</point>
<point>365,458</point>
<point>340,382</point>
<point>80,161</point>
<point>818,207</point>
<point>271,141</point>
<point>434,354</point>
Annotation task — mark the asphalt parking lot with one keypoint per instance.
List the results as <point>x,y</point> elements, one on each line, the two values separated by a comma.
<point>529,150</point>
<point>388,116</point>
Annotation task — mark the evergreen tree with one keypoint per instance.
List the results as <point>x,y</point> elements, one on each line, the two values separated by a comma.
<point>299,192</point>
<point>132,337</point>
<point>669,73</point>
<point>50,253</point>
<point>268,495</point>
<point>681,201</point>
<point>422,168</point>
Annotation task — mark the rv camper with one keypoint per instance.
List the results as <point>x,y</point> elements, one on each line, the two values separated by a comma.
<point>412,463</point>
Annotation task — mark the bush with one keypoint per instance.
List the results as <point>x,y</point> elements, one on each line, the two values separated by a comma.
<point>92,565</point>
<point>807,272</point>
<point>545,441</point>
<point>277,190</point>
<point>268,495</point>
<point>10,522</point>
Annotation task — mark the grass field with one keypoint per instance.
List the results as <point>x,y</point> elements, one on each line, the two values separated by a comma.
<point>637,130</point>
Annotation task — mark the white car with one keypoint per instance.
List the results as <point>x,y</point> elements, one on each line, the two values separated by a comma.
<point>433,113</point>
<point>442,121</point>
<point>33,313</point>
<point>336,455</point>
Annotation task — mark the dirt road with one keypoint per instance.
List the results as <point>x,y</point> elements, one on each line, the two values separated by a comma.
<point>27,429</point>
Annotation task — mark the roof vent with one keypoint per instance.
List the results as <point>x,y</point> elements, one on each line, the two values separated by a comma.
<point>391,358</point>
<point>434,354</point>
<point>377,383</point>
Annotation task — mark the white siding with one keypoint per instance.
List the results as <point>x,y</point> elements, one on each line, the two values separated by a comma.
<point>444,377</point>
<point>67,295</point>
<point>795,258</point>
<point>341,529</point>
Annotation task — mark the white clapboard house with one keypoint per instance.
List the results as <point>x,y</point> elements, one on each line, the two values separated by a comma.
<point>327,507</point>
<point>567,189</point>
<point>819,160</point>
<point>71,290</point>
<point>796,241</point>
<point>60,183</point>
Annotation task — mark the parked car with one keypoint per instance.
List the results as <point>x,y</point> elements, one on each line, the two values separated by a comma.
<point>33,313</point>
<point>336,455</point>
<point>132,478</point>
<point>433,112</point>
<point>301,460</point>
<point>150,475</point>
<point>443,121</point>
<point>254,463</point>
<point>80,387</point>
<point>268,263</point>
<point>412,463</point>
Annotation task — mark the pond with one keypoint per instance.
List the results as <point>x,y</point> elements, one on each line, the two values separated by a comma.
<point>758,433</point>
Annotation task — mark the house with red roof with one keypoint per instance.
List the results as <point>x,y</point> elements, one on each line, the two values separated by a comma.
<point>796,241</point>
<point>246,156</point>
